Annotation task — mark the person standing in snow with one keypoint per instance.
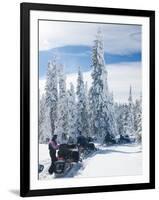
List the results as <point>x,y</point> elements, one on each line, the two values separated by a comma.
<point>81,142</point>
<point>53,146</point>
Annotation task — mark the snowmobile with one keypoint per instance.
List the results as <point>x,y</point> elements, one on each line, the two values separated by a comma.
<point>40,168</point>
<point>87,150</point>
<point>85,145</point>
<point>110,140</point>
<point>125,139</point>
<point>68,155</point>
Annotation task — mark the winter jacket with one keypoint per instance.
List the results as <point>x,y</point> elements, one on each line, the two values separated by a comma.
<point>82,141</point>
<point>53,146</point>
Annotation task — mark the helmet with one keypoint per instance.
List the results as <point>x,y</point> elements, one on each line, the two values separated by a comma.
<point>54,137</point>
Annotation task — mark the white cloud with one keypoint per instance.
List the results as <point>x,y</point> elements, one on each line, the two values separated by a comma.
<point>120,77</point>
<point>118,39</point>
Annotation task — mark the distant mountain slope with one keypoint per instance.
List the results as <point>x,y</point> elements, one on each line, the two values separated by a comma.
<point>74,56</point>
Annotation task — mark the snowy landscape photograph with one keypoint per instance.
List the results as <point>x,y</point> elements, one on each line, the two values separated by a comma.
<point>90,100</point>
<point>87,85</point>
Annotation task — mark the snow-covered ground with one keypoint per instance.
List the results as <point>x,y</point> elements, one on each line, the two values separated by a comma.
<point>113,161</point>
<point>120,160</point>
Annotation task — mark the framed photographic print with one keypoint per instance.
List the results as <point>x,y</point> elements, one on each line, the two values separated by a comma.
<point>87,99</point>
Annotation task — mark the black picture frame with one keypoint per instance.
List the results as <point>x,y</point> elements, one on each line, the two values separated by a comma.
<point>25,9</point>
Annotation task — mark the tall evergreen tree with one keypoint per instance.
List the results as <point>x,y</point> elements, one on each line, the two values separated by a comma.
<point>96,91</point>
<point>138,119</point>
<point>87,110</point>
<point>82,115</point>
<point>112,116</point>
<point>119,113</point>
<point>126,121</point>
<point>42,111</point>
<point>72,115</point>
<point>130,117</point>
<point>62,114</point>
<point>99,97</point>
<point>51,93</point>
<point>44,121</point>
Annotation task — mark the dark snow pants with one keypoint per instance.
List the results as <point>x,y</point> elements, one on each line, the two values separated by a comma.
<point>53,159</point>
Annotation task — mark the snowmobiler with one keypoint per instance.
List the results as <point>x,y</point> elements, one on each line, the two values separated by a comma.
<point>53,146</point>
<point>85,143</point>
<point>81,143</point>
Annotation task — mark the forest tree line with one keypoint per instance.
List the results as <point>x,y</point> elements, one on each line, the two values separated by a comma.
<point>91,112</point>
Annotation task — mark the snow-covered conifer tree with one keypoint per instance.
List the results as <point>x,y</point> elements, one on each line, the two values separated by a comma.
<point>87,110</point>
<point>96,96</point>
<point>72,115</point>
<point>51,93</point>
<point>44,121</point>
<point>130,117</point>
<point>82,115</point>
<point>62,113</point>
<point>122,120</point>
<point>119,113</point>
<point>126,118</point>
<point>42,111</point>
<point>112,116</point>
<point>138,119</point>
<point>99,99</point>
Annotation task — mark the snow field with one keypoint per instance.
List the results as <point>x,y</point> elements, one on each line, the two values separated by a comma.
<point>123,160</point>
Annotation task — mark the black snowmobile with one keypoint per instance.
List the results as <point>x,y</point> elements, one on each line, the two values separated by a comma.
<point>110,140</point>
<point>85,145</point>
<point>126,139</point>
<point>86,149</point>
<point>68,155</point>
<point>40,168</point>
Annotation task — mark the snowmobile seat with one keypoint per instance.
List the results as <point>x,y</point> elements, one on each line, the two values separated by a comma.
<point>71,146</point>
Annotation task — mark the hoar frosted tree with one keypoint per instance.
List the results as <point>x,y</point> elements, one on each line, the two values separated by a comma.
<point>44,121</point>
<point>51,95</point>
<point>99,98</point>
<point>130,115</point>
<point>62,112</point>
<point>138,119</point>
<point>72,115</point>
<point>82,114</point>
<point>89,112</point>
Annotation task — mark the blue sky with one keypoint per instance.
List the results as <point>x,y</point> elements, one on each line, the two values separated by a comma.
<point>71,42</point>
<point>79,55</point>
